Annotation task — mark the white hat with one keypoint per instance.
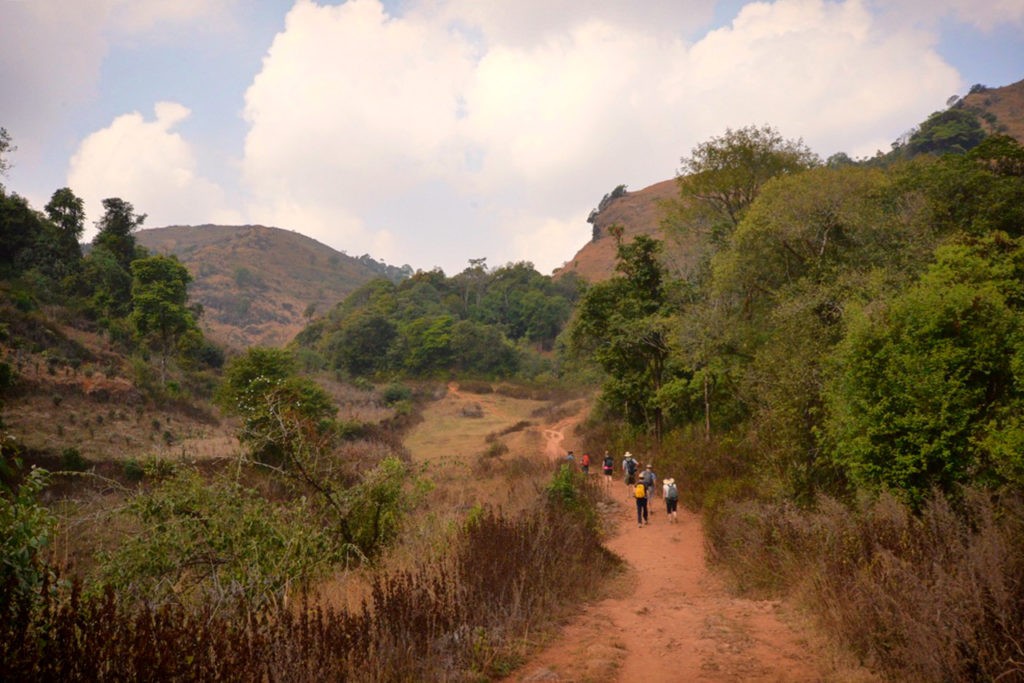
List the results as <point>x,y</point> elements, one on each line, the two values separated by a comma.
<point>669,481</point>
<point>628,454</point>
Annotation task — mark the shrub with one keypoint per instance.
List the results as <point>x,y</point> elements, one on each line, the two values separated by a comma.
<point>71,459</point>
<point>132,470</point>
<point>395,392</point>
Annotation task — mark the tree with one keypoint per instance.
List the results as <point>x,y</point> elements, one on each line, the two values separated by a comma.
<point>955,130</point>
<point>624,324</point>
<point>116,226</point>
<point>723,176</point>
<point>160,314</point>
<point>6,146</point>
<point>928,390</point>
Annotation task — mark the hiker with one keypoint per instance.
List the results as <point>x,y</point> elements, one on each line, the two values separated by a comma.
<point>640,494</point>
<point>570,459</point>
<point>608,466</point>
<point>649,479</point>
<point>671,493</point>
<point>629,467</point>
<point>585,463</point>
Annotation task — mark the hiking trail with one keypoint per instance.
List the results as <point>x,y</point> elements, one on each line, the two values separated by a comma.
<point>671,619</point>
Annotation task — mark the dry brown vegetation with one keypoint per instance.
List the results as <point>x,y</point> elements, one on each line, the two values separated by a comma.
<point>488,559</point>
<point>932,597</point>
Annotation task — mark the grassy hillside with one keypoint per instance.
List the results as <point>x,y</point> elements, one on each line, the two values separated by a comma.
<point>260,285</point>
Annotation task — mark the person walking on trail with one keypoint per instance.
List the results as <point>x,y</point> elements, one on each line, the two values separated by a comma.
<point>671,493</point>
<point>585,463</point>
<point>608,467</point>
<point>570,459</point>
<point>640,494</point>
<point>629,468</point>
<point>648,478</point>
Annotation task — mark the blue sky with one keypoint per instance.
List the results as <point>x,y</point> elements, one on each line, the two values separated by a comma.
<point>430,132</point>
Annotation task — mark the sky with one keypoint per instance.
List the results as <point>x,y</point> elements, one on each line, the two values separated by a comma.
<point>431,132</point>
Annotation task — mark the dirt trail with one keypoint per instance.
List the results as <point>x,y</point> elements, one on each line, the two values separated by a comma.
<point>672,620</point>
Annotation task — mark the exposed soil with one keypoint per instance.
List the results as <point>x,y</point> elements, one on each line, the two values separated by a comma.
<point>670,618</point>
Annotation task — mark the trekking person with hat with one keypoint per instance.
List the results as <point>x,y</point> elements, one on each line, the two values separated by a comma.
<point>629,468</point>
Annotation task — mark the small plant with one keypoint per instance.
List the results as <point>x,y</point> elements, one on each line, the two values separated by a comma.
<point>497,448</point>
<point>71,459</point>
<point>395,392</point>
<point>133,470</point>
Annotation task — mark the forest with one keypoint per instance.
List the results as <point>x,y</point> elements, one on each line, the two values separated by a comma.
<point>836,372</point>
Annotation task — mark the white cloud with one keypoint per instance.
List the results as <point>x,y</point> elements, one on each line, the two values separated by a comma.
<point>528,108</point>
<point>148,165</point>
<point>827,72</point>
<point>52,53</point>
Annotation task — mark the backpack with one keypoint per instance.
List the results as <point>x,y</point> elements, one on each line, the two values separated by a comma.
<point>648,478</point>
<point>586,460</point>
<point>631,467</point>
<point>640,491</point>
<point>672,493</point>
<point>609,463</point>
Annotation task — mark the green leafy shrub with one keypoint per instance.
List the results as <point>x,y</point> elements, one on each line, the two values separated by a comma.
<point>395,392</point>
<point>71,459</point>
<point>28,528</point>
<point>218,543</point>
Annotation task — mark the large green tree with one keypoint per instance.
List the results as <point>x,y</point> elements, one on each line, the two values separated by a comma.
<point>929,388</point>
<point>722,176</point>
<point>624,325</point>
<point>160,313</point>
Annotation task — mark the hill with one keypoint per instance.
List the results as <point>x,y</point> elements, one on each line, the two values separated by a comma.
<point>1000,110</point>
<point>261,285</point>
<point>639,213</point>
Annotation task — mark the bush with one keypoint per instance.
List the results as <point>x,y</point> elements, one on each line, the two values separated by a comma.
<point>71,459</point>
<point>28,528</point>
<point>395,392</point>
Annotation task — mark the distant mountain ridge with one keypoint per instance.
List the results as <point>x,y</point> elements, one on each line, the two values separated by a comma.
<point>260,285</point>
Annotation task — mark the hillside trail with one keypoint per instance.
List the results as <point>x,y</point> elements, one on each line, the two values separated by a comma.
<point>670,618</point>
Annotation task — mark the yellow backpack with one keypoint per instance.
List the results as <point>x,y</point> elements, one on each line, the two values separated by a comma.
<point>640,491</point>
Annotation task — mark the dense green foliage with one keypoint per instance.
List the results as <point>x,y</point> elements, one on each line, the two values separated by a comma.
<point>849,325</point>
<point>479,323</point>
<point>28,528</point>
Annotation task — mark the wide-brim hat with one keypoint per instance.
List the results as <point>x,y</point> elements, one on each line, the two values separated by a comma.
<point>628,455</point>
<point>670,480</point>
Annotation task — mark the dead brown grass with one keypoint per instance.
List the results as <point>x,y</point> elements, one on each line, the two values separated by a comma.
<point>937,596</point>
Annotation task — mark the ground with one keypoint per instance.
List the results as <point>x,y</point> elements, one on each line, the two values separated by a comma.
<point>671,618</point>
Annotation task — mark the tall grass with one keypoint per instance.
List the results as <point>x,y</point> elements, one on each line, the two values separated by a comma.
<point>465,616</point>
<point>935,596</point>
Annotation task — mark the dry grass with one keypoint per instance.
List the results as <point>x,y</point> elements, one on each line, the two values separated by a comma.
<point>929,597</point>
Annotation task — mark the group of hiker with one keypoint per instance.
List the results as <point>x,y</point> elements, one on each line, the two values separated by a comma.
<point>640,484</point>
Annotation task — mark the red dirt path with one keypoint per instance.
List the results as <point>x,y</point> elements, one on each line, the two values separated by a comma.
<point>673,620</point>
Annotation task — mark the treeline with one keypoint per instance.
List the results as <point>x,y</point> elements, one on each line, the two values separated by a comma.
<point>489,323</point>
<point>839,373</point>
